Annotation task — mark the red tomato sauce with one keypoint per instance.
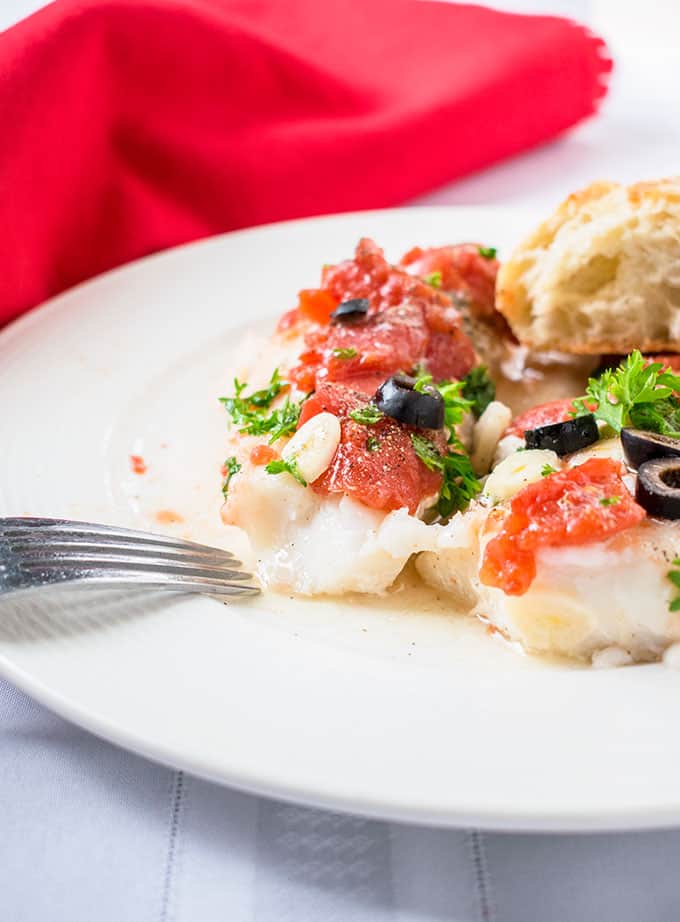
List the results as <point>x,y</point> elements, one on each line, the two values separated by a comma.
<point>263,454</point>
<point>375,464</point>
<point>565,508</point>
<point>138,464</point>
<point>409,324</point>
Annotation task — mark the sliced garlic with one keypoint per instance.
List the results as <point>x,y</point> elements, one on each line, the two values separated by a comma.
<point>520,469</point>
<point>611,657</point>
<point>314,445</point>
<point>507,446</point>
<point>605,448</point>
<point>487,433</point>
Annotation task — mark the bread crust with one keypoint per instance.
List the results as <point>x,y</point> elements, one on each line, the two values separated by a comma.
<point>601,274</point>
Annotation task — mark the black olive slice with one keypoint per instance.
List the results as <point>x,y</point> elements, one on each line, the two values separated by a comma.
<point>350,310</point>
<point>640,446</point>
<point>397,398</point>
<point>564,438</point>
<point>658,487</point>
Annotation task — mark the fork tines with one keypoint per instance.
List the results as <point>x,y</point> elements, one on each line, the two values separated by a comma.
<point>37,551</point>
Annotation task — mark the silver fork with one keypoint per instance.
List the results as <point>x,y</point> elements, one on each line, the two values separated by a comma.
<point>45,552</point>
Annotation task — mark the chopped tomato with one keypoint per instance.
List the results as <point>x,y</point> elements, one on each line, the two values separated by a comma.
<point>449,356</point>
<point>168,517</point>
<point>463,271</point>
<point>409,324</point>
<point>138,464</point>
<point>380,344</point>
<point>303,376</point>
<point>579,505</point>
<point>263,454</point>
<point>370,275</point>
<point>289,321</point>
<point>375,464</point>
<point>556,411</point>
<point>317,304</point>
<point>383,344</point>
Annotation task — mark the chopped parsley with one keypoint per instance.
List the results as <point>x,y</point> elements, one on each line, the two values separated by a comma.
<point>281,466</point>
<point>372,444</point>
<point>610,500</point>
<point>478,387</point>
<point>345,353</point>
<point>230,467</point>
<point>434,279</point>
<point>423,380</point>
<point>634,394</point>
<point>662,416</point>
<point>674,577</point>
<point>547,470</point>
<point>367,416</point>
<point>455,405</point>
<point>488,252</point>
<point>428,452</point>
<point>266,396</point>
<point>460,483</point>
<point>250,414</point>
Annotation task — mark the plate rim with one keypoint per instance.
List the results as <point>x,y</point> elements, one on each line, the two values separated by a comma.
<point>540,820</point>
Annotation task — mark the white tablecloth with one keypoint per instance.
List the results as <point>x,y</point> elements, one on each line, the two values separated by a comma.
<point>89,832</point>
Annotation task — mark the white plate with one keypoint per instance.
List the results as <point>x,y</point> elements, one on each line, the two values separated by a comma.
<point>410,715</point>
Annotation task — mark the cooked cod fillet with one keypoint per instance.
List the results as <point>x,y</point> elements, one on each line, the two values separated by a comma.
<point>605,601</point>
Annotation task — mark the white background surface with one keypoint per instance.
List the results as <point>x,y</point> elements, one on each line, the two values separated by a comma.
<point>90,832</point>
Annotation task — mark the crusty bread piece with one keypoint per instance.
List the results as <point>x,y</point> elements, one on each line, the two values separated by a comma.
<point>602,274</point>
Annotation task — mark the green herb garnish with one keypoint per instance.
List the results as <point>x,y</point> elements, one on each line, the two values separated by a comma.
<point>250,414</point>
<point>674,577</point>
<point>372,444</point>
<point>230,467</point>
<point>460,483</point>
<point>488,252</point>
<point>289,467</point>
<point>610,500</point>
<point>662,416</point>
<point>428,452</point>
<point>345,353</point>
<point>434,279</point>
<point>455,404</point>
<point>478,387</point>
<point>368,415</point>
<point>634,394</point>
<point>423,381</point>
<point>547,470</point>
<point>266,396</point>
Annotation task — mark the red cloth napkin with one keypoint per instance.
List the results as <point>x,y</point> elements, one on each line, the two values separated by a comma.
<point>133,125</point>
